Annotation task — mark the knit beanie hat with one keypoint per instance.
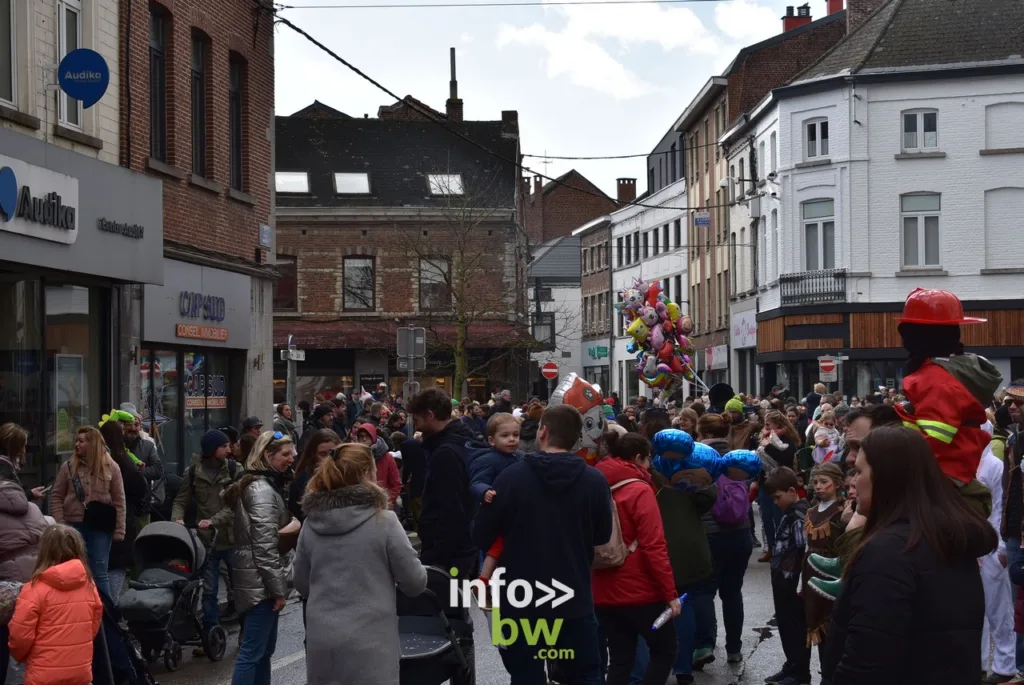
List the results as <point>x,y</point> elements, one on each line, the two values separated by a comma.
<point>608,412</point>
<point>829,470</point>
<point>735,404</point>
<point>211,440</point>
<point>535,410</point>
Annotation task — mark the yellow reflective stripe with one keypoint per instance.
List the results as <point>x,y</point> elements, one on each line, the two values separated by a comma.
<point>938,425</point>
<point>910,424</point>
<point>939,435</point>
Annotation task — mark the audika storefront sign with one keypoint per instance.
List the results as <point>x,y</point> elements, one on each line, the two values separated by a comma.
<point>38,202</point>
<point>83,74</point>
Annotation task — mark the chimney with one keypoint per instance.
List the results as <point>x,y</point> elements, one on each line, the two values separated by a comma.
<point>834,6</point>
<point>797,18</point>
<point>857,12</point>
<point>538,183</point>
<point>626,189</point>
<point>510,124</point>
<point>453,108</point>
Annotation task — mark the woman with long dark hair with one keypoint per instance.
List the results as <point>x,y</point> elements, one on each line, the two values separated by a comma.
<point>776,447</point>
<point>912,606</point>
<point>320,446</point>
<point>136,501</point>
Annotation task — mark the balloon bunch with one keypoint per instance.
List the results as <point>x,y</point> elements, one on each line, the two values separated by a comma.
<point>660,334</point>
<point>690,465</point>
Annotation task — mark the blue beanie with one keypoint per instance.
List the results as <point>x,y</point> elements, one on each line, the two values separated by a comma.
<point>212,439</point>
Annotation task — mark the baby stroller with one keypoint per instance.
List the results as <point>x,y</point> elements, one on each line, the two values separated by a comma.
<point>436,637</point>
<point>116,659</point>
<point>164,606</point>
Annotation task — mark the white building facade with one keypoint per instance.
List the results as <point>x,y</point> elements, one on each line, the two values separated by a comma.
<point>649,244</point>
<point>889,179</point>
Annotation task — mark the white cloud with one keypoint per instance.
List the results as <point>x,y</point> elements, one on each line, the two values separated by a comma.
<point>583,62</point>
<point>745,21</point>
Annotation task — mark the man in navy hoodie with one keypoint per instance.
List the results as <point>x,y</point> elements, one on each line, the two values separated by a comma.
<point>552,510</point>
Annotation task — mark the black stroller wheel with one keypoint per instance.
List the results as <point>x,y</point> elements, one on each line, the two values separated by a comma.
<point>215,643</point>
<point>172,657</point>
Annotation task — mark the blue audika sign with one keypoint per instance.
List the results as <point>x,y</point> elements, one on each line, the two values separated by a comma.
<point>84,75</point>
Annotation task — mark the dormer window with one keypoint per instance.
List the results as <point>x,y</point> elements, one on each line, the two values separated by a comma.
<point>445,184</point>
<point>352,183</point>
<point>291,181</point>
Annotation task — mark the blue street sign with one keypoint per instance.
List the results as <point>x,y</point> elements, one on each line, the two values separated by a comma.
<point>84,75</point>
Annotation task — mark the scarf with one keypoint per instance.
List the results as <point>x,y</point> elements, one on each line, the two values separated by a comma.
<point>289,426</point>
<point>379,449</point>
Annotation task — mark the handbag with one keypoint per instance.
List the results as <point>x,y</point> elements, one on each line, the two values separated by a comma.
<point>9,591</point>
<point>99,516</point>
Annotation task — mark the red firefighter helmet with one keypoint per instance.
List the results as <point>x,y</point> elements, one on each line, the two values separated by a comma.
<point>935,308</point>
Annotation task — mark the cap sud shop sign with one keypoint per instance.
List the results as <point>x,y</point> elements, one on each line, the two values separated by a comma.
<point>83,74</point>
<point>50,214</point>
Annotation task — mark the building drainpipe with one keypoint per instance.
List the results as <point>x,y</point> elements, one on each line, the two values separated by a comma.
<point>611,332</point>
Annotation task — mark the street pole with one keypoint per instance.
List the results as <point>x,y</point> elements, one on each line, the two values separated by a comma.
<point>292,372</point>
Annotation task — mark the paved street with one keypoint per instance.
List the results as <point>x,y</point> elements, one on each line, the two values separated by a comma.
<point>760,647</point>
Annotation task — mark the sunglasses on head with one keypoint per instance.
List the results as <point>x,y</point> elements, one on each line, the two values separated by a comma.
<point>278,435</point>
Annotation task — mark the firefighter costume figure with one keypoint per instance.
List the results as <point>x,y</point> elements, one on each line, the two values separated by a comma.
<point>587,398</point>
<point>947,390</point>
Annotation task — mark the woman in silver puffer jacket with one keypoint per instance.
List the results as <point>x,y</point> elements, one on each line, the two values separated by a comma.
<point>260,572</point>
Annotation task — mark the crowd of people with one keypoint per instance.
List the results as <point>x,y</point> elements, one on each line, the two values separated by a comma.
<point>891,526</point>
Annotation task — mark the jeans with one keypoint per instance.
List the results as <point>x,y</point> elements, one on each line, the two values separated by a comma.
<point>623,625</point>
<point>686,629</point>
<point>730,553</point>
<point>97,549</point>
<point>579,634</point>
<point>211,580</point>
<point>771,516</point>
<point>252,665</point>
<point>116,577</point>
<point>1015,556</point>
<point>643,656</point>
<point>5,654</point>
<point>701,596</point>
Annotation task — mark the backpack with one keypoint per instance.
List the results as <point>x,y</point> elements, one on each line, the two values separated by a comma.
<point>732,506</point>
<point>613,553</point>
<point>191,515</point>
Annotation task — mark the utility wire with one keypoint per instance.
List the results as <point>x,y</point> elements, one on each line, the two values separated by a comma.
<point>458,134</point>
<point>525,3</point>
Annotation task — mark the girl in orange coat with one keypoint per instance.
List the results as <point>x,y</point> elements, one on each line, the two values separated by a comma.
<point>58,613</point>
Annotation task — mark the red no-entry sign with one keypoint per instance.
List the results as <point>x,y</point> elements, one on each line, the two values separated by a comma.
<point>549,371</point>
<point>827,370</point>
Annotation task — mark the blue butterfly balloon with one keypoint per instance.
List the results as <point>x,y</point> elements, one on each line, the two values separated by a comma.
<point>690,465</point>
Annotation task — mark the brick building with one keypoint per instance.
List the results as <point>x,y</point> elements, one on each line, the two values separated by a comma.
<point>554,209</point>
<point>392,221</point>
<point>755,71</point>
<point>196,113</point>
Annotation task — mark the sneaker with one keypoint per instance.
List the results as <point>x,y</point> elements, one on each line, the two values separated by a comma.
<point>826,566</point>
<point>765,558</point>
<point>1019,678</point>
<point>997,679</point>
<point>775,679</point>
<point>702,657</point>
<point>829,589</point>
<point>736,658</point>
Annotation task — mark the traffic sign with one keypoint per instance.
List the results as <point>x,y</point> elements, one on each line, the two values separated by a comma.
<point>410,389</point>
<point>549,371</point>
<point>702,218</point>
<point>412,342</point>
<point>827,370</point>
<point>418,363</point>
<point>293,355</point>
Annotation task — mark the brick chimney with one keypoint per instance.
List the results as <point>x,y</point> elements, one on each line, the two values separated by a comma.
<point>857,12</point>
<point>796,17</point>
<point>510,124</point>
<point>625,189</point>
<point>834,6</point>
<point>453,108</point>
<point>538,185</point>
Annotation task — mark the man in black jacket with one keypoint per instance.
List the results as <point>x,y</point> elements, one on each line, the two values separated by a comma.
<point>447,507</point>
<point>552,510</point>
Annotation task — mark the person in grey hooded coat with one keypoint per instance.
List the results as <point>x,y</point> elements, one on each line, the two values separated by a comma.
<point>352,552</point>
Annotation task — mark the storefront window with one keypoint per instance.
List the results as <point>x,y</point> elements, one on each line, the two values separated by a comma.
<point>195,404</point>
<point>162,414</point>
<point>20,367</point>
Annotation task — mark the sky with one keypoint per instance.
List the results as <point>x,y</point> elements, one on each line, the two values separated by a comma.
<point>586,80</point>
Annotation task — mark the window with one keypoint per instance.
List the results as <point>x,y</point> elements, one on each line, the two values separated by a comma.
<point>158,32</point>
<point>762,160</point>
<point>544,328</point>
<point>236,117</point>
<point>707,152</point>
<point>291,181</point>
<point>819,235</point>
<point>773,268</point>
<point>69,28</point>
<point>646,252</point>
<point>636,246</point>
<point>286,286</point>
<point>718,131</point>
<point>679,232</point>
<point>762,259</point>
<point>435,295</point>
<point>920,131</point>
<point>920,215</point>
<point>673,175</point>
<point>352,184</point>
<point>618,249</point>
<point>445,184</point>
<point>664,237</point>
<point>733,266</point>
<point>654,235</point>
<point>816,138</point>
<point>200,53</point>
<point>732,183</point>
<point>679,291</point>
<point>629,249</point>
<point>359,284</point>
<point>775,152</point>
<point>661,172</point>
<point>7,51</point>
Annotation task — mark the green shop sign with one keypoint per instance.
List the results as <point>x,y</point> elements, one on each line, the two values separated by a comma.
<point>598,352</point>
